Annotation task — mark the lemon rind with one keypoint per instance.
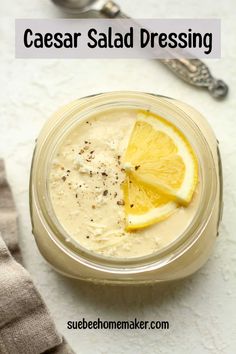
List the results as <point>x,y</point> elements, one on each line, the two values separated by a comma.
<point>139,221</point>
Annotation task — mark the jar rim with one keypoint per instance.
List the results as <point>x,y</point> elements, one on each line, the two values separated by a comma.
<point>59,236</point>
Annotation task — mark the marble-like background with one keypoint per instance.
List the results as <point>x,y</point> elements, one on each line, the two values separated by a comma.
<point>201,310</point>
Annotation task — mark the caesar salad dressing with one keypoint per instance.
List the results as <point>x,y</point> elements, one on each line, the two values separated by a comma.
<point>85,192</point>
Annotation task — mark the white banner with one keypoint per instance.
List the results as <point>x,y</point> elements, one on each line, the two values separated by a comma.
<point>118,38</point>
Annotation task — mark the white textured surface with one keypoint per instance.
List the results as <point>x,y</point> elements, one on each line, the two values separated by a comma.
<point>201,310</point>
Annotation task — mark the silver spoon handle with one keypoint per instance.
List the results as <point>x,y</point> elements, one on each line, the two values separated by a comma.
<point>197,73</point>
<point>192,71</point>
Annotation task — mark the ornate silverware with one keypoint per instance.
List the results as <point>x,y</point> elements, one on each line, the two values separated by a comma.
<point>192,71</point>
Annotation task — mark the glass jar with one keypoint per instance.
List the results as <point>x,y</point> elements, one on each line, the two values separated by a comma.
<point>180,258</point>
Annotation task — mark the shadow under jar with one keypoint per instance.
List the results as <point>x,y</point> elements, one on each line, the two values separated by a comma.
<point>178,259</point>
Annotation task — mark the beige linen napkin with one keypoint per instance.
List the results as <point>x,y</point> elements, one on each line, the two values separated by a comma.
<point>25,324</point>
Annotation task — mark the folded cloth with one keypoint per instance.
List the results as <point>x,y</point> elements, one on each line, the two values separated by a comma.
<point>25,324</point>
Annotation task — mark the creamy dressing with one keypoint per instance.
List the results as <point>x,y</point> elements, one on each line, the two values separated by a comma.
<point>85,191</point>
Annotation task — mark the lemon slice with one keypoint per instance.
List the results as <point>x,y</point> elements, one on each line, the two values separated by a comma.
<point>159,155</point>
<point>144,206</point>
